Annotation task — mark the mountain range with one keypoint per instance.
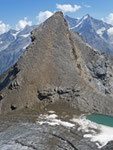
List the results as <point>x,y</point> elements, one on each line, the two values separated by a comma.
<point>12,46</point>
<point>95,32</point>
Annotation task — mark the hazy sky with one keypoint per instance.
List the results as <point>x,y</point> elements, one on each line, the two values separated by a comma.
<point>18,13</point>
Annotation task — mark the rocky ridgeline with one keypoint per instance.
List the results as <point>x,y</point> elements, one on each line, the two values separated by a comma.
<point>58,65</point>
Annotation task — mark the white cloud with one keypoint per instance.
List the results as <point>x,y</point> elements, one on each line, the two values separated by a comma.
<point>87,6</point>
<point>3,27</point>
<point>68,7</point>
<point>22,23</point>
<point>110,31</point>
<point>109,19</point>
<point>42,16</point>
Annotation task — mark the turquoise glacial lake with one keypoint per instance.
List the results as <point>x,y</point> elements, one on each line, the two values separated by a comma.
<point>101,119</point>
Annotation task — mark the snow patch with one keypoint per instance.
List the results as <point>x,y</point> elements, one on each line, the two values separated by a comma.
<point>76,25</point>
<point>97,133</point>
<point>85,17</point>
<point>100,31</point>
<point>1,42</point>
<point>51,112</point>
<point>53,121</point>
<point>110,31</point>
<point>25,35</point>
<point>4,47</point>
<point>15,34</point>
<point>81,21</point>
<point>25,46</point>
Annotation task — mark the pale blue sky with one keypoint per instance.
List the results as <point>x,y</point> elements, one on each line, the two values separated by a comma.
<point>11,11</point>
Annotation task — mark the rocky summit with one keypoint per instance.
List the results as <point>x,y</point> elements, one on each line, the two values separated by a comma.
<point>58,77</point>
<point>58,65</point>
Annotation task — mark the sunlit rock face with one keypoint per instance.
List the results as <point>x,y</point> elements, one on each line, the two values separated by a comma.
<point>58,65</point>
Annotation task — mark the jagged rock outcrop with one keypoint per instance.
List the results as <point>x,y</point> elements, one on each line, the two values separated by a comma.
<point>58,65</point>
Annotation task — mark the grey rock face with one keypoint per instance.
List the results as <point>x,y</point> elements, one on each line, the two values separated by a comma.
<point>29,129</point>
<point>24,131</point>
<point>22,134</point>
<point>59,93</point>
<point>58,66</point>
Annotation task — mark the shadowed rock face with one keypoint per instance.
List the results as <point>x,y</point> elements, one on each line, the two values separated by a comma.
<point>58,65</point>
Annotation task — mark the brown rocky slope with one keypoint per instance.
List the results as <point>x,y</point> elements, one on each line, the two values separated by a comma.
<point>58,65</point>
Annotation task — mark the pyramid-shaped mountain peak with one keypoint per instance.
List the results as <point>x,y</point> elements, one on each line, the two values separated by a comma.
<point>57,65</point>
<point>48,62</point>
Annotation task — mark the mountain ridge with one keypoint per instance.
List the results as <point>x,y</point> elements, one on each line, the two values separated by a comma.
<point>95,32</point>
<point>13,43</point>
<point>58,66</point>
<point>12,46</point>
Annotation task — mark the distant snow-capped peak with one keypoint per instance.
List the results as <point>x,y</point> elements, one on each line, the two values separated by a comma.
<point>95,32</point>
